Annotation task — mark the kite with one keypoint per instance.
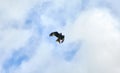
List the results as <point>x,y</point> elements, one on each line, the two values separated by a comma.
<point>60,37</point>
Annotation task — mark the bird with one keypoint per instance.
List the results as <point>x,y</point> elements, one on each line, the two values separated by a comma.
<point>60,37</point>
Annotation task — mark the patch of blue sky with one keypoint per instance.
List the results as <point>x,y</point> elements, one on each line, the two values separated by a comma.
<point>47,10</point>
<point>58,15</point>
<point>33,41</point>
<point>69,55</point>
<point>61,14</point>
<point>18,57</point>
<point>32,22</point>
<point>114,9</point>
<point>36,12</point>
<point>15,60</point>
<point>34,17</point>
<point>66,52</point>
<point>84,4</point>
<point>71,51</point>
<point>24,53</point>
<point>65,13</point>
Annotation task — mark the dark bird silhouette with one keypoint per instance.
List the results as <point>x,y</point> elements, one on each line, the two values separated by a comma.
<point>60,37</point>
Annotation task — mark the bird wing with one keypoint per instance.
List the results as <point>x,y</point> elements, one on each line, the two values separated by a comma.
<point>51,34</point>
<point>54,34</point>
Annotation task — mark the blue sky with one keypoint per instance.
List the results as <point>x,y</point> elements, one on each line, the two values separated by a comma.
<point>91,29</point>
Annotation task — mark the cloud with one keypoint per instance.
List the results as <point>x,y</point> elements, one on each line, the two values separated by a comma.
<point>99,52</point>
<point>12,40</point>
<point>14,12</point>
<point>101,40</point>
<point>91,38</point>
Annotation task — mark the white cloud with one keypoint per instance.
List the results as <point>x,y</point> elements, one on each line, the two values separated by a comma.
<point>101,40</point>
<point>114,5</point>
<point>15,11</point>
<point>96,28</point>
<point>11,40</point>
<point>99,52</point>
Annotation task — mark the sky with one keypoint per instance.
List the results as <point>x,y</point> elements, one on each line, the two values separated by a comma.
<point>91,29</point>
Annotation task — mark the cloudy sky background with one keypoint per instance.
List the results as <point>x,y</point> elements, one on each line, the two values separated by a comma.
<point>91,29</point>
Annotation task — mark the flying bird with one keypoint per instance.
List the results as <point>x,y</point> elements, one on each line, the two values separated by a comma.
<point>60,37</point>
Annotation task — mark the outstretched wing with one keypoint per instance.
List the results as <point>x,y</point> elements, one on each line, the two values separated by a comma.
<point>54,34</point>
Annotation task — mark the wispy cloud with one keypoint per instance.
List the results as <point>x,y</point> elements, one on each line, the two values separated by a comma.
<point>91,38</point>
